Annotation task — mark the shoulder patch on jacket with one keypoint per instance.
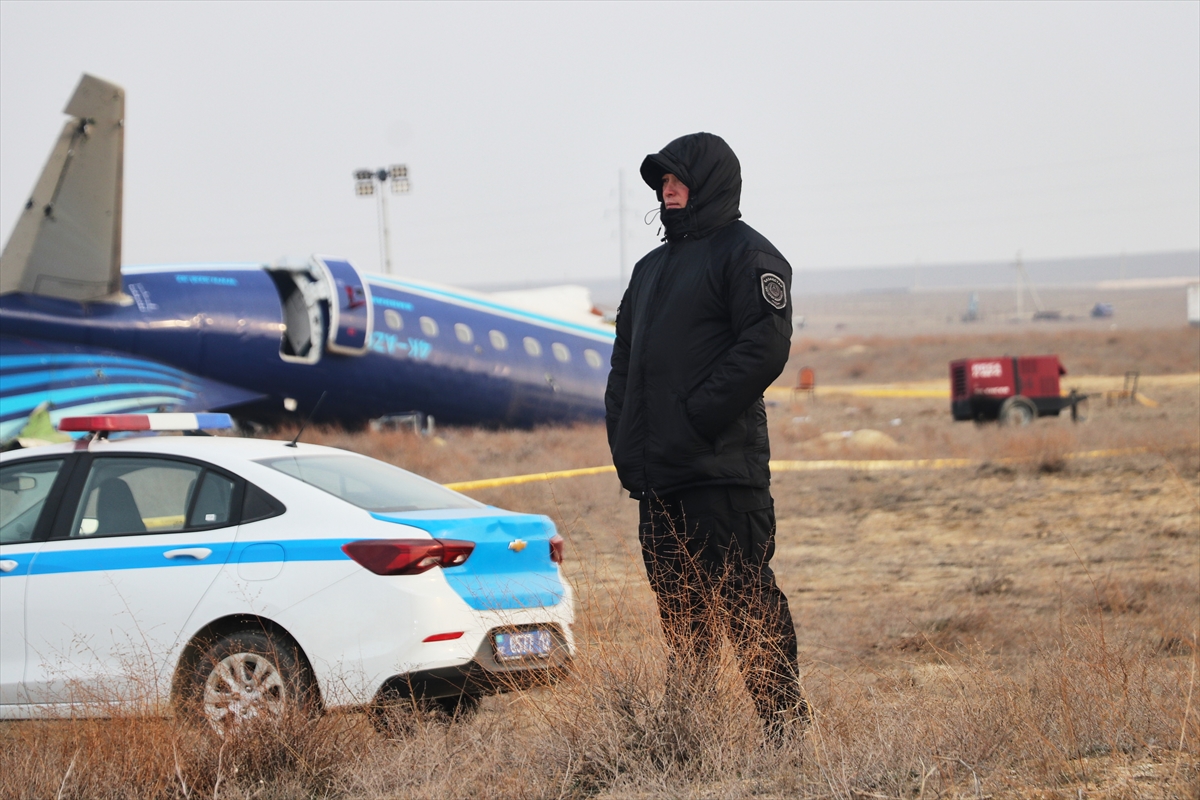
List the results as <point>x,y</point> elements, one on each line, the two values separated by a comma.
<point>774,290</point>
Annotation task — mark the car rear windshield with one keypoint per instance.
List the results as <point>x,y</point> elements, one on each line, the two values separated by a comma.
<point>369,484</point>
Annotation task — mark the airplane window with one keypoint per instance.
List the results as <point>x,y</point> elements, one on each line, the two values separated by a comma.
<point>561,352</point>
<point>593,359</point>
<point>499,340</point>
<point>463,332</point>
<point>533,346</point>
<point>429,326</point>
<point>393,319</point>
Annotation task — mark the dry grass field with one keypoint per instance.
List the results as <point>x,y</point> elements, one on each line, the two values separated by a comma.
<point>1025,627</point>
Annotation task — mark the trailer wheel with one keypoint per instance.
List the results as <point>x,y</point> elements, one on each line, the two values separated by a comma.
<point>1017,411</point>
<point>1079,408</point>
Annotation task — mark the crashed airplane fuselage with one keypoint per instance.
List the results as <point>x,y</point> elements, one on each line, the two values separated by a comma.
<point>262,341</point>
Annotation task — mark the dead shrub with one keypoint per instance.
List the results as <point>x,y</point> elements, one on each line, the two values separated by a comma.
<point>1119,597</point>
<point>1042,448</point>
<point>155,757</point>
<point>856,370</point>
<point>993,584</point>
<point>945,633</point>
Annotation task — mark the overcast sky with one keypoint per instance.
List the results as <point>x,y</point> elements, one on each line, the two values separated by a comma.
<point>869,134</point>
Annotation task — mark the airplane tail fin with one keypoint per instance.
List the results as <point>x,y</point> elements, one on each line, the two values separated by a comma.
<point>67,241</point>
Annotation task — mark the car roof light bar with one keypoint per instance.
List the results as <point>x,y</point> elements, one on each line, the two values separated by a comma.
<point>146,422</point>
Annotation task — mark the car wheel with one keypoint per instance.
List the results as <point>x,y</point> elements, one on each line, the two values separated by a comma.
<point>399,717</point>
<point>1017,411</point>
<point>247,677</point>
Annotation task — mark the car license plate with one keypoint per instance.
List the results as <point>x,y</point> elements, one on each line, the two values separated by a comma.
<point>523,644</point>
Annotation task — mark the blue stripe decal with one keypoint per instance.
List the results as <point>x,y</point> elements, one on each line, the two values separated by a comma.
<point>497,575</point>
<point>59,397</point>
<point>97,559</point>
<point>516,312</point>
<point>21,380</point>
<point>103,559</point>
<point>494,577</point>
<point>23,560</point>
<point>8,362</point>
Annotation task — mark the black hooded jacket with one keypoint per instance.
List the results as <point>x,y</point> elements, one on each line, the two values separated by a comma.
<point>703,329</point>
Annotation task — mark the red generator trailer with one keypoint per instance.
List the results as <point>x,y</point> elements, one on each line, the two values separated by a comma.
<point>1014,390</point>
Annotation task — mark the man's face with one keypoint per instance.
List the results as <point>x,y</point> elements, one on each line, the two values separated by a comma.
<point>675,193</point>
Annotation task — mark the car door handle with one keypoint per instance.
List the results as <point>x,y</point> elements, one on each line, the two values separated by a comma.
<point>7,565</point>
<point>198,553</point>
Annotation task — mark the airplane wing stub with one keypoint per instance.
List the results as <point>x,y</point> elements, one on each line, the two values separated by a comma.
<point>67,241</point>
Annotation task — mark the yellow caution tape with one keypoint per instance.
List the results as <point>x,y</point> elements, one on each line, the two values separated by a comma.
<point>793,466</point>
<point>940,389</point>
<point>870,466</point>
<point>512,480</point>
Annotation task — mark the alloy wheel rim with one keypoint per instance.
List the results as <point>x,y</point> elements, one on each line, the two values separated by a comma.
<point>241,688</point>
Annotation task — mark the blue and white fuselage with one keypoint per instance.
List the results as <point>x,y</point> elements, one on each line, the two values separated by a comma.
<point>83,336</point>
<point>257,340</point>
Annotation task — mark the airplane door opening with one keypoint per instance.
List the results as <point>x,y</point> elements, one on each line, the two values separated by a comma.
<point>301,295</point>
<point>351,315</point>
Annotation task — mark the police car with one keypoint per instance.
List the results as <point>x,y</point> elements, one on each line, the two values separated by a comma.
<point>237,579</point>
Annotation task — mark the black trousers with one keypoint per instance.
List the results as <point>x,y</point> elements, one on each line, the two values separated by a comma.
<point>707,554</point>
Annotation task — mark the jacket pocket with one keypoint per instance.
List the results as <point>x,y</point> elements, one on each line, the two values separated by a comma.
<point>678,437</point>
<point>732,438</point>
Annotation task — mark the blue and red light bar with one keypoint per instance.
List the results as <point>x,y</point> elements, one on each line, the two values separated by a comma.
<point>146,422</point>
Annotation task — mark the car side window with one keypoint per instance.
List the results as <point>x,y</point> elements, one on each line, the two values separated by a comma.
<point>258,505</point>
<point>23,490</point>
<point>214,502</point>
<point>137,495</point>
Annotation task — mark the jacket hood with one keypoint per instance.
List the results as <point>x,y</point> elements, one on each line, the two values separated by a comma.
<point>713,175</point>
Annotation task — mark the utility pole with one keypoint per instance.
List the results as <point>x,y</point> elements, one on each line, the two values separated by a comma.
<point>1020,288</point>
<point>364,186</point>
<point>621,224</point>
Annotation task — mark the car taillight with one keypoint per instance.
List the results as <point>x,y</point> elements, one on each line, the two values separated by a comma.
<point>408,556</point>
<point>556,549</point>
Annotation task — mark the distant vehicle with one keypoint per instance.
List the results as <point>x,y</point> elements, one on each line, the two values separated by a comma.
<point>261,341</point>
<point>241,578</point>
<point>1101,310</point>
<point>1013,390</point>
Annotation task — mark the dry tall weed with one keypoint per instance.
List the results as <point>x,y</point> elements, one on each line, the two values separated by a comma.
<point>1006,633</point>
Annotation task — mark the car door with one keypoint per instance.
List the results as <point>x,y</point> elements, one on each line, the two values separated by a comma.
<point>131,553</point>
<point>25,487</point>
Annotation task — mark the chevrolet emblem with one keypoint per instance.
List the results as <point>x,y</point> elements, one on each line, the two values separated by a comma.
<point>517,545</point>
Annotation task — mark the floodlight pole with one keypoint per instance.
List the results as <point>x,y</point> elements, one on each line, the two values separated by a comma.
<point>384,233</point>
<point>375,181</point>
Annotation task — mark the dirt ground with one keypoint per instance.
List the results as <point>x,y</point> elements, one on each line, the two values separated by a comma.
<point>893,576</point>
<point>1023,626</point>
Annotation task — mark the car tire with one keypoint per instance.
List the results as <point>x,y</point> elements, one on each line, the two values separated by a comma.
<point>1017,411</point>
<point>248,677</point>
<point>400,717</point>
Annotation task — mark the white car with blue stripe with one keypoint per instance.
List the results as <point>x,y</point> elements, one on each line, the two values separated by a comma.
<point>240,578</point>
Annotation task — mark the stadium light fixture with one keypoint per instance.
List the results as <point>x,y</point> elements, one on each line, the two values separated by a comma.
<point>364,186</point>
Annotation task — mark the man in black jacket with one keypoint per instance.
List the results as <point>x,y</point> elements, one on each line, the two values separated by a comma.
<point>703,329</point>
